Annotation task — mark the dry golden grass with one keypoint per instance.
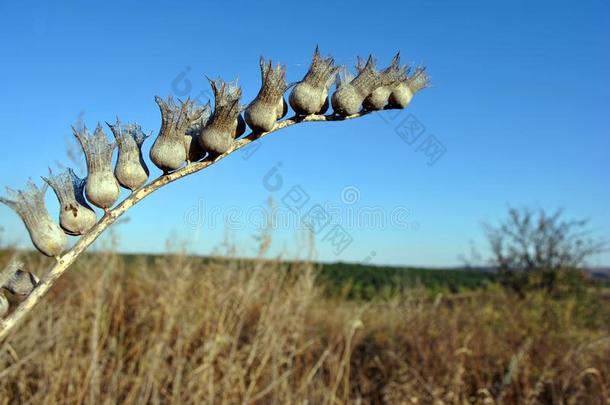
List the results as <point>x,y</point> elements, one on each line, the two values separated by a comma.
<point>176,332</point>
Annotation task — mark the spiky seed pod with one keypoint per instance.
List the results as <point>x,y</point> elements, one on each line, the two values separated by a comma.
<point>16,280</point>
<point>75,216</point>
<point>46,235</point>
<point>168,152</point>
<point>391,76</point>
<point>4,306</point>
<point>403,92</point>
<point>22,283</point>
<point>348,98</point>
<point>269,105</point>
<point>102,189</point>
<point>310,95</point>
<point>194,152</point>
<point>130,170</point>
<point>217,137</point>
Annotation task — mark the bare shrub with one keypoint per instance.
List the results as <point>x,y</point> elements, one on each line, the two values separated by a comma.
<point>532,248</point>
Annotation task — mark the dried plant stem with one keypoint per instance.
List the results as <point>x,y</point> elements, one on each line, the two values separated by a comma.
<point>66,260</point>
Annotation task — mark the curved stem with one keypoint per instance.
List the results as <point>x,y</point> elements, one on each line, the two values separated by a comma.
<point>66,260</point>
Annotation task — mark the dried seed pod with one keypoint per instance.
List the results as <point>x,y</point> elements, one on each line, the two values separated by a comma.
<point>390,78</point>
<point>4,306</point>
<point>194,152</point>
<point>404,91</point>
<point>130,170</point>
<point>310,95</point>
<point>168,152</point>
<point>350,94</point>
<point>269,105</point>
<point>46,235</point>
<point>75,216</point>
<point>22,283</point>
<point>218,136</point>
<point>18,281</point>
<point>102,189</point>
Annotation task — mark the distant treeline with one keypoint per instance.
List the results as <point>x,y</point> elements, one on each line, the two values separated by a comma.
<point>352,280</point>
<point>366,281</point>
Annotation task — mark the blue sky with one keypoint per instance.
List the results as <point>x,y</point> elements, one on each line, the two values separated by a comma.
<point>519,103</point>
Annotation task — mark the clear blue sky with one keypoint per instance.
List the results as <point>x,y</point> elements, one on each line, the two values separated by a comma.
<point>520,103</point>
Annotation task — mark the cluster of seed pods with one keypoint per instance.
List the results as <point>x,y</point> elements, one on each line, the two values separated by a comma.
<point>191,132</point>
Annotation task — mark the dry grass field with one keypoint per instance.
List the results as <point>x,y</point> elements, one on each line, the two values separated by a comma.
<point>174,331</point>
